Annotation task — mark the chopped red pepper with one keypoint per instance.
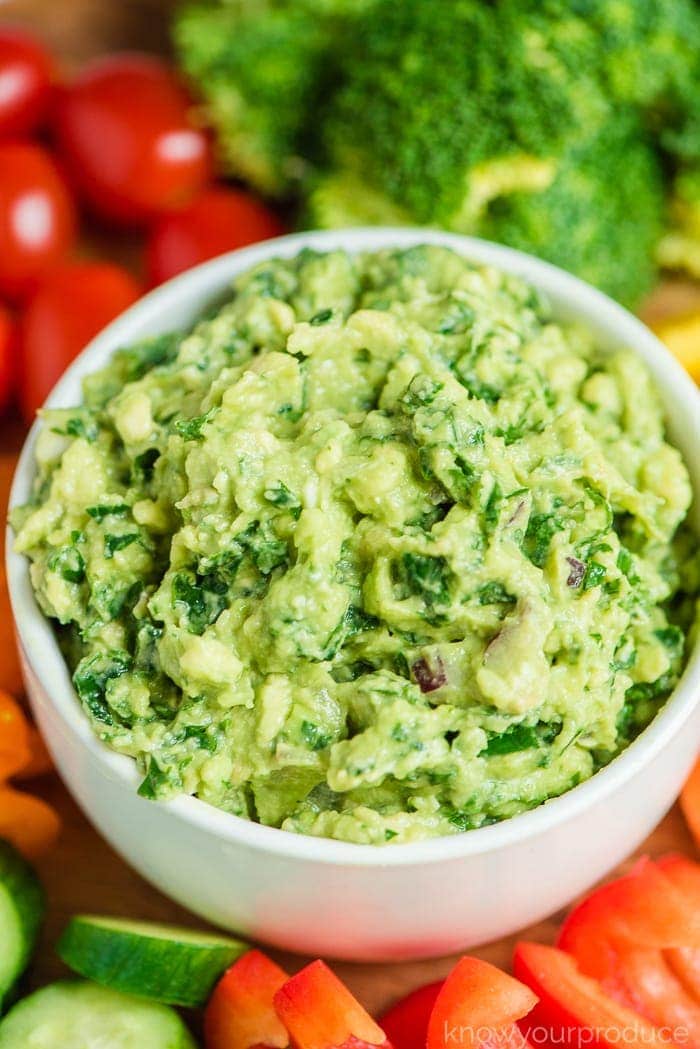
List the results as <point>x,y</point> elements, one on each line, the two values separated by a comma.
<point>406,1023</point>
<point>574,1010</point>
<point>319,1012</point>
<point>241,1013</point>
<point>618,935</point>
<point>477,1007</point>
<point>643,908</point>
<point>685,961</point>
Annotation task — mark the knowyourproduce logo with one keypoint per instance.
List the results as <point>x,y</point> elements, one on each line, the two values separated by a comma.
<point>572,1037</point>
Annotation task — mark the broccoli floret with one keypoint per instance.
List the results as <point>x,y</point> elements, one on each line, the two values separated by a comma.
<point>489,120</point>
<point>445,105</point>
<point>342,198</point>
<point>601,218</point>
<point>679,248</point>
<point>259,67</point>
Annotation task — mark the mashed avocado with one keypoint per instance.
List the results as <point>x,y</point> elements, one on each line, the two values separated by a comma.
<point>377,552</point>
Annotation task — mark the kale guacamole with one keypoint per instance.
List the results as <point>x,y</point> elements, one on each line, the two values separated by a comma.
<point>376,552</point>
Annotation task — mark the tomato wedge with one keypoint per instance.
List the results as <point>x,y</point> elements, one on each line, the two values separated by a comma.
<point>241,1013</point>
<point>477,1007</point>
<point>319,1012</point>
<point>573,1009</point>
<point>690,803</point>
<point>406,1023</point>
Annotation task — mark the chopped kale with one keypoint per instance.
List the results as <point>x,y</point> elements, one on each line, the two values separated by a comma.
<point>98,513</point>
<point>425,577</point>
<point>314,736</point>
<point>494,593</point>
<point>541,528</point>
<point>69,563</point>
<point>192,429</point>
<point>91,678</point>
<point>522,737</point>
<point>119,542</point>
<point>594,575</point>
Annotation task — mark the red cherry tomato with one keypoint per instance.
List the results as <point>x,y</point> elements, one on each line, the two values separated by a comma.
<point>26,71</point>
<point>8,357</point>
<point>37,217</point>
<point>124,131</point>
<point>218,220</point>
<point>73,304</point>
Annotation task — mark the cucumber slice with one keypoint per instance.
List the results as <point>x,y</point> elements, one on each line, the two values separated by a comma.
<point>21,912</point>
<point>162,962</point>
<point>80,1015</point>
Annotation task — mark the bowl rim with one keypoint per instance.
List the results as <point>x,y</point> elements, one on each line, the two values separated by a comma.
<point>43,655</point>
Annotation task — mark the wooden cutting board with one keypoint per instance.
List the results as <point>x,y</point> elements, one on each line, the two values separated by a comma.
<point>82,873</point>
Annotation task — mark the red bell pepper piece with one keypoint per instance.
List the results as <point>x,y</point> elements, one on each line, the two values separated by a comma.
<point>240,1013</point>
<point>477,1007</point>
<point>684,961</point>
<point>320,1012</point>
<point>406,1023</point>
<point>690,803</point>
<point>643,908</point>
<point>653,988</point>
<point>617,934</point>
<point>573,1009</point>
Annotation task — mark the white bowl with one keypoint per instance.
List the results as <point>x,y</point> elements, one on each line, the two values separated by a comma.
<point>333,898</point>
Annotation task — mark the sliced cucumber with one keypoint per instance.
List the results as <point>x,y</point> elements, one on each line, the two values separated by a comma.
<point>21,911</point>
<point>80,1015</point>
<point>162,962</point>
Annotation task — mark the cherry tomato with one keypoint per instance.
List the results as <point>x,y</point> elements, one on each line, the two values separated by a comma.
<point>74,303</point>
<point>37,217</point>
<point>26,71</point>
<point>8,357</point>
<point>217,221</point>
<point>123,128</point>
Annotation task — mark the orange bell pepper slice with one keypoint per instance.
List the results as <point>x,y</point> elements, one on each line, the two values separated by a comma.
<point>477,1007</point>
<point>241,1012</point>
<point>320,1012</point>
<point>39,761</point>
<point>14,737</point>
<point>690,803</point>
<point>27,822</point>
<point>10,670</point>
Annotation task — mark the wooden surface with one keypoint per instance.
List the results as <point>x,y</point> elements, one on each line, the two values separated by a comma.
<point>82,873</point>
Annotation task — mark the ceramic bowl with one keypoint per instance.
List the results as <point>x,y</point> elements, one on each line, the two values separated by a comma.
<point>332,898</point>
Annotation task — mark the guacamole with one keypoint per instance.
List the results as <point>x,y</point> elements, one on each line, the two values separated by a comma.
<point>376,552</point>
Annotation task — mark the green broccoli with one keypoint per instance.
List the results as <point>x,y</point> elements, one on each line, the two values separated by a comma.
<point>445,106</point>
<point>679,248</point>
<point>601,218</point>
<point>262,69</point>
<point>547,124</point>
<point>520,146</point>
